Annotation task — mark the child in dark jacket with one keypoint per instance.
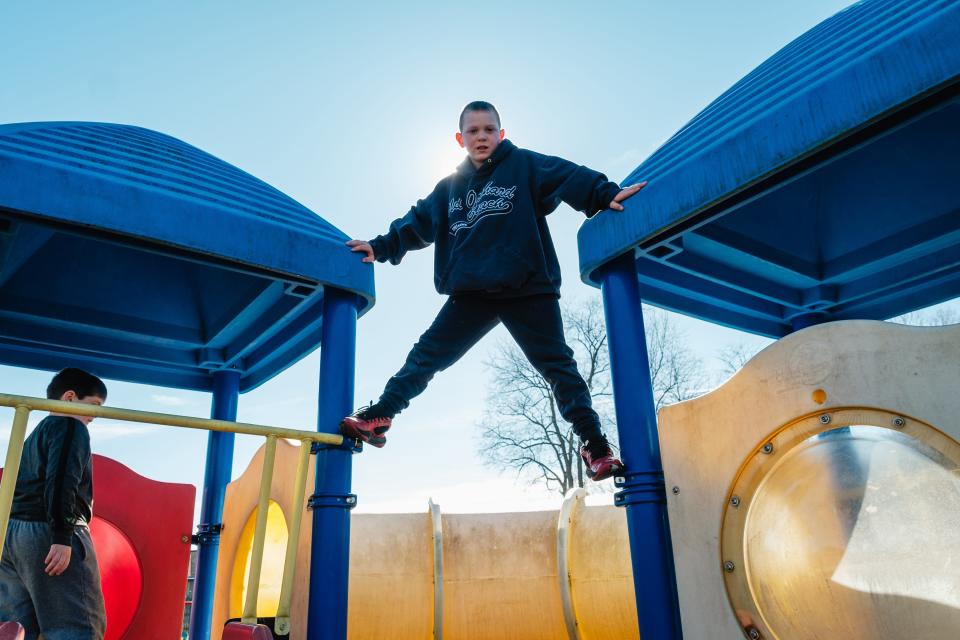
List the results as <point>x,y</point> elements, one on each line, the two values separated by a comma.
<point>49,578</point>
<point>495,259</point>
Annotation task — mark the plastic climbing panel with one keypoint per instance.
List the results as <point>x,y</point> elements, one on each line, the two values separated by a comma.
<point>817,490</point>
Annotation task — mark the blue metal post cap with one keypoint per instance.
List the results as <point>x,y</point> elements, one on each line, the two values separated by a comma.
<point>344,501</point>
<point>640,487</point>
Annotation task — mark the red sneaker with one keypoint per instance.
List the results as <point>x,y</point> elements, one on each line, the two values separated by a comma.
<point>366,426</point>
<point>601,464</point>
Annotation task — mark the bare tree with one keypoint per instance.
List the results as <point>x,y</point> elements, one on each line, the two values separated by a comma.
<point>732,357</point>
<point>936,317</point>
<point>522,428</point>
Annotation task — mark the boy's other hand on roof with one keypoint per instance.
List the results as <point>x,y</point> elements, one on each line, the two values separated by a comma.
<point>623,195</point>
<point>361,246</point>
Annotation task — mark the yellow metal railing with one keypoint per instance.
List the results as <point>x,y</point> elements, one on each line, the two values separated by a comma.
<point>23,405</point>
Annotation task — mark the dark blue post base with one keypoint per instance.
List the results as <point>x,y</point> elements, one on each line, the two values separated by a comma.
<point>643,495</point>
<point>226,385</point>
<point>332,500</point>
<point>330,567</point>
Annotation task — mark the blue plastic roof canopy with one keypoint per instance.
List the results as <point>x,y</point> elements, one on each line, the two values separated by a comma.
<point>825,182</point>
<point>142,258</point>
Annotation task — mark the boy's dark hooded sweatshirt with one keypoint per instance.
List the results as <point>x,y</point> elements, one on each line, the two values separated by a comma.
<point>489,223</point>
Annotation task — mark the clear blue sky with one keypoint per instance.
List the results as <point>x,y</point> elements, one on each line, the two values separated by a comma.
<point>351,109</point>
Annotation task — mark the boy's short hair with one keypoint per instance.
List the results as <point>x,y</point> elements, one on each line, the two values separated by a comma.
<point>77,380</point>
<point>479,105</point>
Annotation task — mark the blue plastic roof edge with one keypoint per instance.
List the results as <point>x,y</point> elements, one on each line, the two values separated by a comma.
<point>872,58</point>
<point>184,198</point>
<point>276,344</point>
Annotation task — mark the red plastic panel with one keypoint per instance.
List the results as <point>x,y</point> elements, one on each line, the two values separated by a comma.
<point>238,631</point>
<point>141,532</point>
<point>120,574</point>
<point>11,631</point>
<point>149,526</point>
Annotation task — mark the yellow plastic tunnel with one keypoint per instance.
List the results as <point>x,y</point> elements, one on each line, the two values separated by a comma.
<point>541,575</point>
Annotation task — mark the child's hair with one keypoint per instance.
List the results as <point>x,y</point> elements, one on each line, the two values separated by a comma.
<point>479,105</point>
<point>77,380</point>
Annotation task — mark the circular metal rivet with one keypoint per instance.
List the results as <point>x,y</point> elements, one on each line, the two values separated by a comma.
<point>753,633</point>
<point>676,490</point>
<point>184,539</point>
<point>735,501</point>
<point>898,422</point>
<point>728,566</point>
<point>825,418</point>
<point>768,448</point>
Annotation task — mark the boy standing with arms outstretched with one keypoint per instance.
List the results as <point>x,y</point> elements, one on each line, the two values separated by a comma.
<point>495,259</point>
<point>49,578</point>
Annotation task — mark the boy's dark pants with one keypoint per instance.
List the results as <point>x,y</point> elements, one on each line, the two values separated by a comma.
<point>64,607</point>
<point>536,325</point>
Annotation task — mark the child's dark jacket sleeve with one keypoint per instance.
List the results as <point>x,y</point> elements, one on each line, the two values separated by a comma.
<point>68,453</point>
<point>416,230</point>
<point>582,188</point>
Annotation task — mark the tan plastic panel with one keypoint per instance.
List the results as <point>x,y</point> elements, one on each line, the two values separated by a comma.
<point>391,577</point>
<point>501,577</point>
<point>240,503</point>
<point>706,442</point>
<point>601,575</point>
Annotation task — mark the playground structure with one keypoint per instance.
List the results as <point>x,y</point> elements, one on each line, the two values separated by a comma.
<point>144,560</point>
<point>863,469</point>
<point>820,188</point>
<point>446,573</point>
<point>152,219</point>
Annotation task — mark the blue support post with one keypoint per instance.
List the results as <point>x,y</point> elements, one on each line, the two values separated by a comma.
<point>226,390</point>
<point>332,500</point>
<point>643,494</point>
<point>805,320</point>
